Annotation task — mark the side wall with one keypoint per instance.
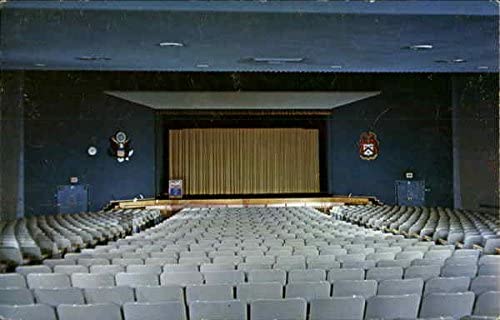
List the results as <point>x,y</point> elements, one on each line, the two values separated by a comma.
<point>476,147</point>
<point>411,118</point>
<point>65,114</point>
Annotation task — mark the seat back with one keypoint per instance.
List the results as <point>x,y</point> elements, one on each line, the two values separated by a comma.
<point>55,297</point>
<point>227,310</point>
<point>117,295</point>
<point>159,293</point>
<point>154,310</point>
<point>348,288</point>
<point>106,311</point>
<point>338,308</point>
<point>48,280</point>
<point>454,305</point>
<point>208,292</point>
<point>248,292</point>
<point>19,296</point>
<point>393,307</point>
<point>28,312</point>
<point>488,304</point>
<point>294,308</point>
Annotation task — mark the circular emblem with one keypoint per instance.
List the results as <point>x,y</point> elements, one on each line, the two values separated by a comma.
<point>121,137</point>
<point>92,151</point>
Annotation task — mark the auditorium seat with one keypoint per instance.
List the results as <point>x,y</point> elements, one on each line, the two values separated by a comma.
<point>488,304</point>
<point>208,292</point>
<point>48,280</point>
<point>483,284</point>
<point>106,311</point>
<point>16,296</point>
<point>445,285</point>
<point>338,308</point>
<point>248,292</point>
<point>181,278</point>
<point>345,274</point>
<point>229,309</point>
<point>25,270</point>
<point>454,305</point>
<point>394,287</point>
<point>265,309</point>
<point>275,275</point>
<point>12,280</point>
<point>422,272</point>
<point>28,312</point>
<point>92,280</point>
<point>55,297</point>
<point>308,290</point>
<point>154,310</point>
<point>393,307</point>
<point>362,288</point>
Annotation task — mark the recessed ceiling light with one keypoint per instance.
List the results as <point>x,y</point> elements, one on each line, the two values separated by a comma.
<point>202,65</point>
<point>483,67</point>
<point>336,67</point>
<point>458,60</point>
<point>419,47</point>
<point>40,65</point>
<point>276,60</point>
<point>93,58</point>
<point>171,44</point>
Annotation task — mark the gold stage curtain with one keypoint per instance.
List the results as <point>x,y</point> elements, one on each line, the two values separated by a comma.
<point>245,161</point>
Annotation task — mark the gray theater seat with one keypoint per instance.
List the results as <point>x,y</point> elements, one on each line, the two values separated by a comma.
<point>227,310</point>
<point>248,292</point>
<point>308,290</point>
<point>456,284</point>
<point>482,284</point>
<point>19,296</point>
<point>293,308</point>
<point>267,276</point>
<point>28,312</point>
<point>12,280</point>
<point>209,292</point>
<point>159,293</point>
<point>116,295</point>
<point>400,287</point>
<point>338,308</point>
<point>393,307</point>
<point>345,274</point>
<point>455,305</point>
<point>488,304</point>
<point>55,297</point>
<point>106,311</point>
<point>362,288</point>
<point>154,311</point>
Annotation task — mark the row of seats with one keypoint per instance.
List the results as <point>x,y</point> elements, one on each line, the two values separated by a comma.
<point>454,306</point>
<point>453,226</point>
<point>148,289</point>
<point>139,276</point>
<point>239,256</point>
<point>34,238</point>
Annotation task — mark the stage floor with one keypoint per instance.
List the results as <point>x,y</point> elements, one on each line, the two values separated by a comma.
<point>176,204</point>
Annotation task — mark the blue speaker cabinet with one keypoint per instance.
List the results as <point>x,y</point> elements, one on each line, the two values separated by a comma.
<point>72,198</point>
<point>410,192</point>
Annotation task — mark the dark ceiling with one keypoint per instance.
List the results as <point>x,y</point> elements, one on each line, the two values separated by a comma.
<point>251,36</point>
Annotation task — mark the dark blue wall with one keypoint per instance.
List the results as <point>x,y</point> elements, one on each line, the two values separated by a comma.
<point>64,115</point>
<point>414,130</point>
<point>66,112</point>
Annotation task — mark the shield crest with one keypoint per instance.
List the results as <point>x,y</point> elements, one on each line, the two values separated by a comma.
<point>368,146</point>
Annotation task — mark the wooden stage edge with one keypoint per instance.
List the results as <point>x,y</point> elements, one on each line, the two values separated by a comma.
<point>177,204</point>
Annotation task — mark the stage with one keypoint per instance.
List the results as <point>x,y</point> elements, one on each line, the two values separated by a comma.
<point>169,206</point>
